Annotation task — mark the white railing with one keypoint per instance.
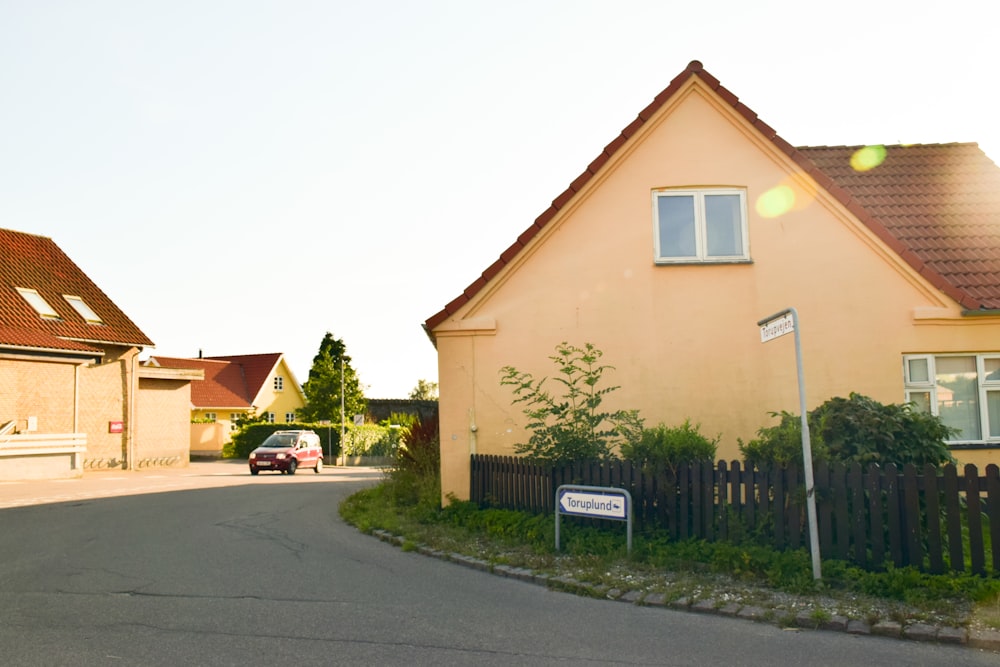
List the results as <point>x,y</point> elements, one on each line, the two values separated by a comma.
<point>23,445</point>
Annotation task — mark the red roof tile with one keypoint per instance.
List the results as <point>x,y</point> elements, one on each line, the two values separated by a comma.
<point>230,382</point>
<point>940,202</point>
<point>36,262</point>
<point>921,199</point>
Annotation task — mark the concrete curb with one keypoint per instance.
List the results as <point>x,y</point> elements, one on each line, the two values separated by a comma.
<point>987,640</point>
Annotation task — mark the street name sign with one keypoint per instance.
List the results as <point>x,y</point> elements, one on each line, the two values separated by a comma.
<point>596,502</point>
<point>779,326</point>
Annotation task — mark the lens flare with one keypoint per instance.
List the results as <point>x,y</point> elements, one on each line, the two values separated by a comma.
<point>776,201</point>
<point>867,158</point>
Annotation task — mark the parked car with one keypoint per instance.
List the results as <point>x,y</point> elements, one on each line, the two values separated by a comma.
<point>287,451</point>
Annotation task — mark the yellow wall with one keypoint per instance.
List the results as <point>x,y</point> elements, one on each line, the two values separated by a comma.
<point>289,399</point>
<point>684,339</point>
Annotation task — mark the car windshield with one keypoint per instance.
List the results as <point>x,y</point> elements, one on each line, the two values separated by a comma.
<point>280,440</point>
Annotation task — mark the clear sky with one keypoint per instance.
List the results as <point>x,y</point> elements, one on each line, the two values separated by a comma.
<point>243,176</point>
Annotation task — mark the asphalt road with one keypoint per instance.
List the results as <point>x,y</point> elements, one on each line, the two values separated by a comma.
<point>213,567</point>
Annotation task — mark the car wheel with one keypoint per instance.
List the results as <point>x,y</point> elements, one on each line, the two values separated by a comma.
<point>254,471</point>
<point>292,465</point>
<point>319,466</point>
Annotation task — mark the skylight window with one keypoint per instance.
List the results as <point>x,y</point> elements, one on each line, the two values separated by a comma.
<point>80,306</point>
<point>36,301</point>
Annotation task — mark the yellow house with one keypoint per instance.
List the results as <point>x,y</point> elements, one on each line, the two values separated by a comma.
<point>236,387</point>
<point>698,221</point>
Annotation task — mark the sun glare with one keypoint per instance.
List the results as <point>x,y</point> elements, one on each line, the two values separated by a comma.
<point>867,158</point>
<point>776,201</point>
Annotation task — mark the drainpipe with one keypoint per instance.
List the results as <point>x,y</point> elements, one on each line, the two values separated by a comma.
<point>132,388</point>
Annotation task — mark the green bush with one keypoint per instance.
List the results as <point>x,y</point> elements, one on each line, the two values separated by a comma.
<point>861,430</point>
<point>779,445</point>
<point>857,429</point>
<point>370,440</point>
<point>573,427</point>
<point>666,447</point>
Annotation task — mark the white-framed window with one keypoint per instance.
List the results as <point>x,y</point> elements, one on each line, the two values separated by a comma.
<point>36,301</point>
<point>210,416</point>
<point>279,383</point>
<point>704,225</point>
<point>81,307</point>
<point>234,418</point>
<point>290,417</point>
<point>962,389</point>
<point>270,417</point>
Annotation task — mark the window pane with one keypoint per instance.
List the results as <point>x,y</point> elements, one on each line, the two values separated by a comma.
<point>723,232</point>
<point>917,369</point>
<point>958,395</point>
<point>993,407</point>
<point>921,399</point>
<point>675,216</point>
<point>992,367</point>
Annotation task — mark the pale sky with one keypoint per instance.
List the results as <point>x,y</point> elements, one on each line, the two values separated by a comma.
<point>243,176</point>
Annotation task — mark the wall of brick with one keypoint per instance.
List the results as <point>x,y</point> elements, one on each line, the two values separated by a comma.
<point>103,388</point>
<point>37,389</point>
<point>162,435</point>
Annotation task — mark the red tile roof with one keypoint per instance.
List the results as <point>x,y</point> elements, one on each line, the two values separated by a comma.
<point>230,382</point>
<point>941,202</point>
<point>937,206</point>
<point>36,262</point>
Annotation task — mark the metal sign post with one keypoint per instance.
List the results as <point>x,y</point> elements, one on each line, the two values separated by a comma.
<point>775,326</point>
<point>598,502</point>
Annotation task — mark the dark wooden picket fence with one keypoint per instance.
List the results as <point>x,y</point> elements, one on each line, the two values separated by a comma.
<point>933,518</point>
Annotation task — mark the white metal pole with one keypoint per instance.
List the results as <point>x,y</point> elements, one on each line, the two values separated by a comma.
<point>807,461</point>
<point>342,406</point>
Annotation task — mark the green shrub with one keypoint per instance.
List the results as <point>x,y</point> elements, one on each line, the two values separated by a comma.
<point>779,445</point>
<point>369,440</point>
<point>666,447</point>
<point>572,428</point>
<point>857,429</point>
<point>861,430</point>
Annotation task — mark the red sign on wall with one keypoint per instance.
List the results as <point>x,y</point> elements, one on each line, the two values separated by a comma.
<point>115,427</point>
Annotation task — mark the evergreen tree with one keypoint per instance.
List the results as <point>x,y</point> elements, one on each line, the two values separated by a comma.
<point>323,388</point>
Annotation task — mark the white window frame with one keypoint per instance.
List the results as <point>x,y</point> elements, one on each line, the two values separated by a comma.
<point>279,383</point>
<point>212,417</point>
<point>81,307</point>
<point>984,387</point>
<point>38,302</point>
<point>290,417</point>
<point>270,417</point>
<point>701,255</point>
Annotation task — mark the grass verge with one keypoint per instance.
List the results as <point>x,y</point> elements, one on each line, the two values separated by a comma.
<point>595,556</point>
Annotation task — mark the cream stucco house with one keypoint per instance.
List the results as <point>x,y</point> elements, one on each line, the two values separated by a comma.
<point>697,221</point>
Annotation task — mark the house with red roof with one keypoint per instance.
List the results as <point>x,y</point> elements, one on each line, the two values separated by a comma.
<point>236,387</point>
<point>72,395</point>
<point>697,222</point>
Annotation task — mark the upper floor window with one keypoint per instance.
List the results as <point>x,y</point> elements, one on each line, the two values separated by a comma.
<point>279,383</point>
<point>963,390</point>
<point>700,225</point>
<point>269,417</point>
<point>85,311</point>
<point>36,301</point>
<point>211,416</point>
<point>290,417</point>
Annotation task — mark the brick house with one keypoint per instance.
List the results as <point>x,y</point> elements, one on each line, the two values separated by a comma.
<point>72,394</point>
